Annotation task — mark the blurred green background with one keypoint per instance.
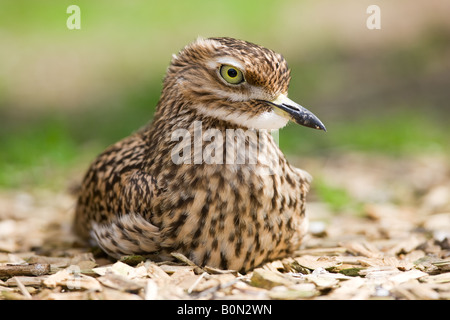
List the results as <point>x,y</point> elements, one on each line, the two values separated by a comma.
<point>67,94</point>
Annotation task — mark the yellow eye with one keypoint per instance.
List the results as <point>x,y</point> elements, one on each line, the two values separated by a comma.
<point>231,74</point>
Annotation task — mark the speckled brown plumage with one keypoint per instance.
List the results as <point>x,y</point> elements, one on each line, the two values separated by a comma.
<point>135,199</point>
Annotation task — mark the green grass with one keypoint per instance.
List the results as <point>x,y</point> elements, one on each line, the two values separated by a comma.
<point>336,198</point>
<point>154,18</point>
<point>400,133</point>
<point>32,154</point>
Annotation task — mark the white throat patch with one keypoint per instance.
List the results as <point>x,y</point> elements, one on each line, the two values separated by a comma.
<point>268,120</point>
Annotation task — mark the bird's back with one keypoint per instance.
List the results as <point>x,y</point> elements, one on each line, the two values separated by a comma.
<point>106,190</point>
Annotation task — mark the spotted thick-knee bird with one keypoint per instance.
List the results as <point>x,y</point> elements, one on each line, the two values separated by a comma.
<point>205,177</point>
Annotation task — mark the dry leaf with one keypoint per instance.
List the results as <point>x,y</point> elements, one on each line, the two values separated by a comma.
<point>72,279</point>
<point>151,290</point>
<point>365,249</point>
<point>27,281</point>
<point>439,278</point>
<point>154,271</point>
<point>299,291</point>
<point>314,262</point>
<point>406,276</point>
<point>119,282</point>
<point>268,279</point>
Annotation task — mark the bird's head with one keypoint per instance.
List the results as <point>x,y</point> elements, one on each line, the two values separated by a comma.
<point>237,82</point>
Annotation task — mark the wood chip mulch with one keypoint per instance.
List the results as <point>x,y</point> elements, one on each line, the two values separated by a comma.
<point>392,242</point>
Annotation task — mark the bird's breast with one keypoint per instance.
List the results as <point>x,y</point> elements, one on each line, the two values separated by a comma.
<point>233,216</point>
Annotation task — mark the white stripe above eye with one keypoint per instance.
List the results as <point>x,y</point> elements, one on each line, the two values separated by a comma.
<point>213,64</point>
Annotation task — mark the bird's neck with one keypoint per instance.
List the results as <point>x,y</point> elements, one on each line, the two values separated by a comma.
<point>172,113</point>
<point>189,137</point>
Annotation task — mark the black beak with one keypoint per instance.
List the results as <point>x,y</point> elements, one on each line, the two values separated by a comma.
<point>297,113</point>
